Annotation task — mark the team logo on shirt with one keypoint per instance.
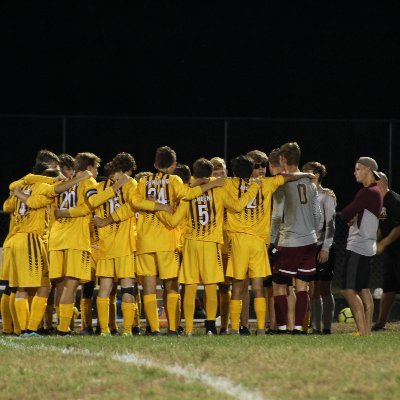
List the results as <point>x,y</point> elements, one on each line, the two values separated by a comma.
<point>383,214</point>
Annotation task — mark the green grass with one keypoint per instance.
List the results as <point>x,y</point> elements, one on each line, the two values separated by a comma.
<point>338,366</point>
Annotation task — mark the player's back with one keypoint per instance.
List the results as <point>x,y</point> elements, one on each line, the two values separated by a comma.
<point>296,208</point>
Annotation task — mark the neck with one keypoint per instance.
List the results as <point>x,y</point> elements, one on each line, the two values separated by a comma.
<point>368,181</point>
<point>292,168</point>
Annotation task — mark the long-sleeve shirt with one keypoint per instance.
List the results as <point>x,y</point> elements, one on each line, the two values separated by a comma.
<point>326,229</point>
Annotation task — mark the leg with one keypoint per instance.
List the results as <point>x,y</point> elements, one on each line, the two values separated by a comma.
<point>172,289</point>
<point>188,307</point>
<point>291,302</point>
<point>260,304</point>
<point>150,301</point>
<point>301,303</point>
<point>244,316</point>
<point>67,302</point>
<point>103,303</point>
<point>211,308</point>
<point>38,308</point>
<point>235,306</point>
<point>357,308</point>
<point>316,305</point>
<point>128,304</point>
<point>368,302</point>
<point>280,305</point>
<point>224,299</point>
<point>328,305</point>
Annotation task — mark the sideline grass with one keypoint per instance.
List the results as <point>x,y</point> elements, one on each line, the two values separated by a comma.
<point>339,366</point>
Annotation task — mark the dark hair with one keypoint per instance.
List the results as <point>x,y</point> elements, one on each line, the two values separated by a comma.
<point>291,151</point>
<point>141,175</point>
<point>273,158</point>
<point>124,162</point>
<point>51,172</point>
<point>84,160</point>
<point>183,171</point>
<point>46,156</point>
<point>258,156</point>
<point>108,169</point>
<point>165,157</point>
<point>315,167</point>
<point>39,168</point>
<point>202,168</point>
<point>66,161</point>
<point>242,167</point>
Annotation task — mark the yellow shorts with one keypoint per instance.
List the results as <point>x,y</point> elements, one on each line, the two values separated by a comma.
<point>70,262</point>
<point>247,255</point>
<point>164,264</point>
<point>28,261</point>
<point>202,263</point>
<point>119,267</point>
<point>5,264</point>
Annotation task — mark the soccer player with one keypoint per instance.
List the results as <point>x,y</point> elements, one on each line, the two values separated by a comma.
<point>29,270</point>
<point>224,288</point>
<point>322,301</point>
<point>389,245</point>
<point>296,216</point>
<point>160,257</point>
<point>202,261</point>
<point>362,216</point>
<point>248,233</point>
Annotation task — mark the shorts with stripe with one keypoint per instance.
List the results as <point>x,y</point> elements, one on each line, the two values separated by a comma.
<point>247,256</point>
<point>357,271</point>
<point>119,267</point>
<point>72,263</point>
<point>164,264</point>
<point>295,262</point>
<point>202,263</point>
<point>5,264</point>
<point>28,261</point>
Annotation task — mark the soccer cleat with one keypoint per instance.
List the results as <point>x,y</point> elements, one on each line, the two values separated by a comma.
<point>172,333</point>
<point>62,333</point>
<point>271,331</point>
<point>298,332</point>
<point>97,331</point>
<point>181,331</point>
<point>223,331</point>
<point>260,332</point>
<point>105,334</point>
<point>244,331</point>
<point>189,334</point>
<point>88,331</point>
<point>377,327</point>
<point>148,330</point>
<point>326,332</point>
<point>234,332</point>
<point>155,333</point>
<point>114,332</point>
<point>315,332</point>
<point>29,333</point>
<point>136,331</point>
<point>211,330</point>
<point>127,334</point>
<point>283,332</point>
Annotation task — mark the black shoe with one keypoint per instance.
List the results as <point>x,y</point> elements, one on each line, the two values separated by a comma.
<point>97,330</point>
<point>223,331</point>
<point>172,333</point>
<point>377,327</point>
<point>271,331</point>
<point>181,331</point>
<point>61,333</point>
<point>88,331</point>
<point>297,332</point>
<point>136,331</point>
<point>315,332</point>
<point>326,331</point>
<point>211,330</point>
<point>244,331</point>
<point>148,330</point>
<point>283,332</point>
<point>115,332</point>
<point>155,333</point>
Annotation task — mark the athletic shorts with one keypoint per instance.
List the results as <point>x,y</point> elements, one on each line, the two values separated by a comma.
<point>247,255</point>
<point>5,264</point>
<point>72,263</point>
<point>202,263</point>
<point>28,261</point>
<point>164,264</point>
<point>295,262</point>
<point>326,270</point>
<point>391,273</point>
<point>119,267</point>
<point>357,270</point>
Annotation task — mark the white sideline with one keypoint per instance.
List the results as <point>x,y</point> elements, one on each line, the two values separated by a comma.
<point>217,383</point>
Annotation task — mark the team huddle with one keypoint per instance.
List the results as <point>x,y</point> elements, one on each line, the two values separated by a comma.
<point>71,227</point>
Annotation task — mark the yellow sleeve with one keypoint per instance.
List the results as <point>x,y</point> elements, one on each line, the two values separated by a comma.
<point>45,189</point>
<point>15,184</point>
<point>97,199</point>
<point>10,204</point>
<point>140,203</point>
<point>38,201</point>
<point>79,211</point>
<point>123,213</point>
<point>270,184</point>
<point>31,179</point>
<point>184,191</point>
<point>237,205</point>
<point>177,217</point>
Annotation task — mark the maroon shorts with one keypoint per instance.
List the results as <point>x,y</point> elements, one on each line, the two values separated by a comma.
<point>296,261</point>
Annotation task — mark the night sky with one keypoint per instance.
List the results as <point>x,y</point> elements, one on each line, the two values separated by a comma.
<point>201,60</point>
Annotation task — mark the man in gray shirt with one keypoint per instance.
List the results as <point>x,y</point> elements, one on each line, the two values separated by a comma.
<point>295,220</point>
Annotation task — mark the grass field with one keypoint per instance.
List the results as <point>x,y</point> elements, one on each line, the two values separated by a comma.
<point>339,366</point>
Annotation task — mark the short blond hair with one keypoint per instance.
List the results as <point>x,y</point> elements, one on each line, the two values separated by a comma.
<point>218,163</point>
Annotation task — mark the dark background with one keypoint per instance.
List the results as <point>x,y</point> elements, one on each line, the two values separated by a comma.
<point>336,65</point>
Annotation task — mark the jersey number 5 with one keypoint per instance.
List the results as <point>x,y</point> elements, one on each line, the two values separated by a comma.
<point>204,216</point>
